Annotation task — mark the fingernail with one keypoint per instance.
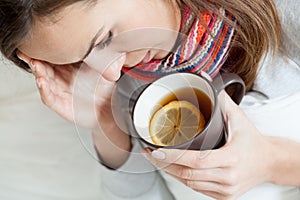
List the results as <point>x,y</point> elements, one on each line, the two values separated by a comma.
<point>39,83</point>
<point>32,65</point>
<point>21,57</point>
<point>158,154</point>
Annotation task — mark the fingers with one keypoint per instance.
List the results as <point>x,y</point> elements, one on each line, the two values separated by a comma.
<point>211,189</point>
<point>226,103</point>
<point>59,76</point>
<point>46,94</point>
<point>234,116</point>
<point>220,175</point>
<point>190,174</point>
<point>211,182</point>
<point>23,57</point>
<point>206,186</point>
<point>27,60</point>
<point>42,70</point>
<point>44,82</point>
<point>54,91</point>
<point>194,159</point>
<point>44,78</point>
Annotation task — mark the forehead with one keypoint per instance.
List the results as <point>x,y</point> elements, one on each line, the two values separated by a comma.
<point>62,38</point>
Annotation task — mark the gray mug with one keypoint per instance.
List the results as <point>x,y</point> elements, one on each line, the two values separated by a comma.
<point>214,133</point>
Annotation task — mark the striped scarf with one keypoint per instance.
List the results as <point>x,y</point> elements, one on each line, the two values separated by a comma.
<point>202,50</point>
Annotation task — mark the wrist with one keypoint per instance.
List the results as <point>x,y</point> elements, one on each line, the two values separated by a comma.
<point>268,159</point>
<point>273,158</point>
<point>282,168</point>
<point>113,146</point>
<point>111,135</point>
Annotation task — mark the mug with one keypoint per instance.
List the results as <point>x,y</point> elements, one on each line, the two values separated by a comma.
<point>183,87</point>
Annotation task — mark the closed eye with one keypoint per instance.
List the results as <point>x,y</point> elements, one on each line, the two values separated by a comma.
<point>104,44</point>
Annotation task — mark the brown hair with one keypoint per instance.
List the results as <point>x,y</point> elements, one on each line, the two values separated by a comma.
<point>17,19</point>
<point>257,28</point>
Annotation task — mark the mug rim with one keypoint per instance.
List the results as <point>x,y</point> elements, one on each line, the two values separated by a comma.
<point>189,141</point>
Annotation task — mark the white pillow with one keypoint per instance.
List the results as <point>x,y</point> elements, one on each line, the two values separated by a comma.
<point>41,155</point>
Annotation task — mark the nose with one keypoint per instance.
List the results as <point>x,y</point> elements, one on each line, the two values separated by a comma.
<point>107,63</point>
<point>112,71</point>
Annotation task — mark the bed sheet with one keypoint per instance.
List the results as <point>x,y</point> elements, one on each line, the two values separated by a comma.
<point>41,156</point>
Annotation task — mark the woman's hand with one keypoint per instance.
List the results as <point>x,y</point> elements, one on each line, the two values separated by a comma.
<point>82,96</point>
<point>72,91</point>
<point>226,173</point>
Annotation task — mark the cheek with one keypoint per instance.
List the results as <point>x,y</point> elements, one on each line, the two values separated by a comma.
<point>134,57</point>
<point>110,69</point>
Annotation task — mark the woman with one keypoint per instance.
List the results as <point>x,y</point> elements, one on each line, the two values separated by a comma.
<point>69,44</point>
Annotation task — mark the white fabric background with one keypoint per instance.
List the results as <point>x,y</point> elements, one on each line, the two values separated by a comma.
<point>41,155</point>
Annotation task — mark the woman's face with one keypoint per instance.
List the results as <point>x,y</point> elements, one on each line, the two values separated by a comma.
<point>127,32</point>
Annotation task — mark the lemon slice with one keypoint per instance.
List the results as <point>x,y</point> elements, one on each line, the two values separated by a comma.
<point>175,123</point>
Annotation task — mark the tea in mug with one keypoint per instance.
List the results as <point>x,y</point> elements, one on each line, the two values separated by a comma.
<point>182,116</point>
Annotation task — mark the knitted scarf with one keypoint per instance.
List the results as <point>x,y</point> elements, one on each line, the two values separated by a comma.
<point>202,50</point>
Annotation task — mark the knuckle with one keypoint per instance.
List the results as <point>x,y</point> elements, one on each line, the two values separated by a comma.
<point>232,178</point>
<point>181,173</point>
<point>187,173</point>
<point>190,183</point>
<point>44,101</point>
<point>229,191</point>
<point>184,182</point>
<point>195,162</point>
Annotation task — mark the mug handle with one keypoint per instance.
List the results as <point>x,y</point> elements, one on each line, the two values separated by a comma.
<point>231,81</point>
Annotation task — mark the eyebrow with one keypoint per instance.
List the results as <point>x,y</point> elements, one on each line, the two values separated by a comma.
<point>92,43</point>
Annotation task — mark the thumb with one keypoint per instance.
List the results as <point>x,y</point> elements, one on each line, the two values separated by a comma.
<point>23,57</point>
<point>227,105</point>
<point>230,111</point>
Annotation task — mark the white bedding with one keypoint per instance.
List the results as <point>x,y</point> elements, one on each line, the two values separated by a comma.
<point>41,156</point>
